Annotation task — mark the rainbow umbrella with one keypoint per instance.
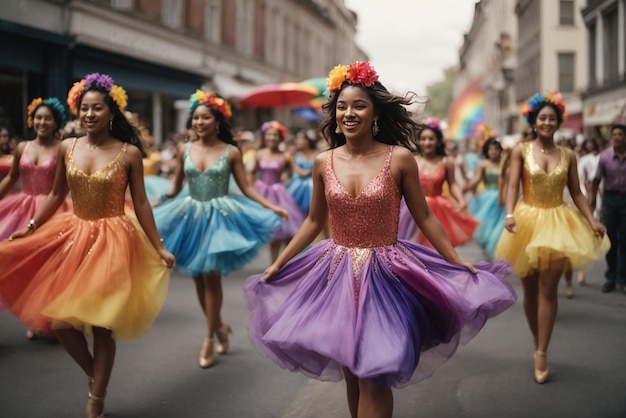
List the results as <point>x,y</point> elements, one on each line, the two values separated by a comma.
<point>467,112</point>
<point>322,91</point>
<point>279,95</point>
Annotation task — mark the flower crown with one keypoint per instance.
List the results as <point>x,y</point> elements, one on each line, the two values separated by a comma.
<point>358,73</point>
<point>532,104</point>
<point>276,125</point>
<point>211,100</point>
<point>103,81</point>
<point>432,123</point>
<point>53,103</point>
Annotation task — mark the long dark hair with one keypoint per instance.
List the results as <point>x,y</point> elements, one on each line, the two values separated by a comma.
<point>394,122</point>
<point>224,128</point>
<point>121,128</point>
<point>440,149</point>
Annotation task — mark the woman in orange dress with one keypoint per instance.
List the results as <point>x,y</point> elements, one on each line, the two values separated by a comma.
<point>96,270</point>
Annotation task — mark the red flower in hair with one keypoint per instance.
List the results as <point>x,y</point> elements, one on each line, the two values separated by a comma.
<point>362,73</point>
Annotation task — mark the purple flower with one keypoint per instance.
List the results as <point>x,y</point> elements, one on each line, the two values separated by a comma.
<point>99,80</point>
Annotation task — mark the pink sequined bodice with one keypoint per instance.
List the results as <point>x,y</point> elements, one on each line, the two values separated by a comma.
<point>36,179</point>
<point>369,219</point>
<point>270,172</point>
<point>432,183</point>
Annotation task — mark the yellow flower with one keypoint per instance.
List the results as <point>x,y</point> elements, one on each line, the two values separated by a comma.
<point>336,77</point>
<point>31,109</point>
<point>119,96</point>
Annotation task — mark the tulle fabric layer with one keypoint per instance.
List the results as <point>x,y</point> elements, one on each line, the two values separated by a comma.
<point>458,226</point>
<point>102,273</point>
<point>278,195</point>
<point>391,315</point>
<point>545,235</point>
<point>156,186</point>
<point>407,228</point>
<point>490,214</point>
<point>301,189</point>
<point>17,209</point>
<point>219,235</point>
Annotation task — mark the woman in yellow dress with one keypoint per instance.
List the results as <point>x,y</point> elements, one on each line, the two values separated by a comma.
<point>542,235</point>
<point>96,270</point>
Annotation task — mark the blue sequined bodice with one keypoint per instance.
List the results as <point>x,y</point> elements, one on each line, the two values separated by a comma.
<point>303,165</point>
<point>212,182</point>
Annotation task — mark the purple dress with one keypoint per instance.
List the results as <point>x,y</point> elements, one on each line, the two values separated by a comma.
<point>390,311</point>
<point>271,187</point>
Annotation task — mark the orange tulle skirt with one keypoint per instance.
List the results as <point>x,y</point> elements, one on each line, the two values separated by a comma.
<point>458,226</point>
<point>88,273</point>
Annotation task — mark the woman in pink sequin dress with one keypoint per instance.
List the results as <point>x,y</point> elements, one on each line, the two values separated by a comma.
<point>364,306</point>
<point>34,162</point>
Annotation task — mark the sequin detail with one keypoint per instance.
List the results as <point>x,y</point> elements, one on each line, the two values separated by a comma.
<point>210,183</point>
<point>100,194</point>
<point>541,189</point>
<point>370,219</point>
<point>36,179</point>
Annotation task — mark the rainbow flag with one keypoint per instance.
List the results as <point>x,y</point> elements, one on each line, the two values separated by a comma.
<point>467,112</point>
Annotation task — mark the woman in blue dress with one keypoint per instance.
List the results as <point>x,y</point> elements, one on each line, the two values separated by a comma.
<point>301,187</point>
<point>485,207</point>
<point>211,232</point>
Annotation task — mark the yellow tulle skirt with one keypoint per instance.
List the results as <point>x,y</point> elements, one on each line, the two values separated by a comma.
<point>548,235</point>
<point>88,273</point>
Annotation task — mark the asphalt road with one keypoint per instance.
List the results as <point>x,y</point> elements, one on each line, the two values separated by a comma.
<point>158,375</point>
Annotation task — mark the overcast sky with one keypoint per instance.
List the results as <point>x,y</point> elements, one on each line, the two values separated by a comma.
<point>410,42</point>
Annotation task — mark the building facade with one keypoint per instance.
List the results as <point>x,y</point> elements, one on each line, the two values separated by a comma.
<point>162,50</point>
<point>552,55</point>
<point>488,56</point>
<point>605,95</point>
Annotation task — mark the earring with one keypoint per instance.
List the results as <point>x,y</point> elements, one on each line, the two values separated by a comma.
<point>338,130</point>
<point>375,129</point>
<point>110,125</point>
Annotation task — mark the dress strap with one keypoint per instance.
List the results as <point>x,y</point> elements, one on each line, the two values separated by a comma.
<point>388,157</point>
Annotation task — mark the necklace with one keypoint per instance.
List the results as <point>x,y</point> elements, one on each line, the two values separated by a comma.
<point>545,151</point>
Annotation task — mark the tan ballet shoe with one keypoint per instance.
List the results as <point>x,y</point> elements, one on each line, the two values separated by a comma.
<point>540,375</point>
<point>206,358</point>
<point>569,290</point>
<point>222,338</point>
<point>95,406</point>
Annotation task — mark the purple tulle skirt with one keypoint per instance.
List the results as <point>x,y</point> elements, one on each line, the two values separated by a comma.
<point>278,195</point>
<point>407,228</point>
<point>391,315</point>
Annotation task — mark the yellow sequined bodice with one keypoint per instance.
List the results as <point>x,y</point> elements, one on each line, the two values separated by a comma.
<point>101,194</point>
<point>543,189</point>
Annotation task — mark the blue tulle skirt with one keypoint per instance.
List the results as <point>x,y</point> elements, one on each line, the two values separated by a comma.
<point>390,315</point>
<point>486,209</point>
<point>219,235</point>
<point>301,189</point>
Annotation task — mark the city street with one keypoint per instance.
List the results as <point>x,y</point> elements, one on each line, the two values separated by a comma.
<point>491,376</point>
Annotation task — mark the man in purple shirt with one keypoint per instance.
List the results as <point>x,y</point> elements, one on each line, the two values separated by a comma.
<point>612,167</point>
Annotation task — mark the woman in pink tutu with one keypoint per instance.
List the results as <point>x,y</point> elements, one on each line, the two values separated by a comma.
<point>364,306</point>
<point>271,162</point>
<point>35,163</point>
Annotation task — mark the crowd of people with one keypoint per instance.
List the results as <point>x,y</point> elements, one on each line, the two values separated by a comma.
<point>382,298</point>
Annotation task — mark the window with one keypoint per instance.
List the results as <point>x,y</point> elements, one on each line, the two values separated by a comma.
<point>566,12</point>
<point>591,31</point>
<point>566,72</point>
<point>611,44</point>
<point>172,12</point>
<point>122,4</point>
<point>212,20</point>
<point>245,26</point>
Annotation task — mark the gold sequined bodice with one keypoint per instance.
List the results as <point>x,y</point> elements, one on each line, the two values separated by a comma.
<point>369,219</point>
<point>101,194</point>
<point>543,189</point>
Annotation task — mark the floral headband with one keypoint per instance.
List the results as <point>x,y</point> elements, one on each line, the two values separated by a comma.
<point>282,131</point>
<point>358,73</point>
<point>532,104</point>
<point>53,103</point>
<point>211,100</point>
<point>103,81</point>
